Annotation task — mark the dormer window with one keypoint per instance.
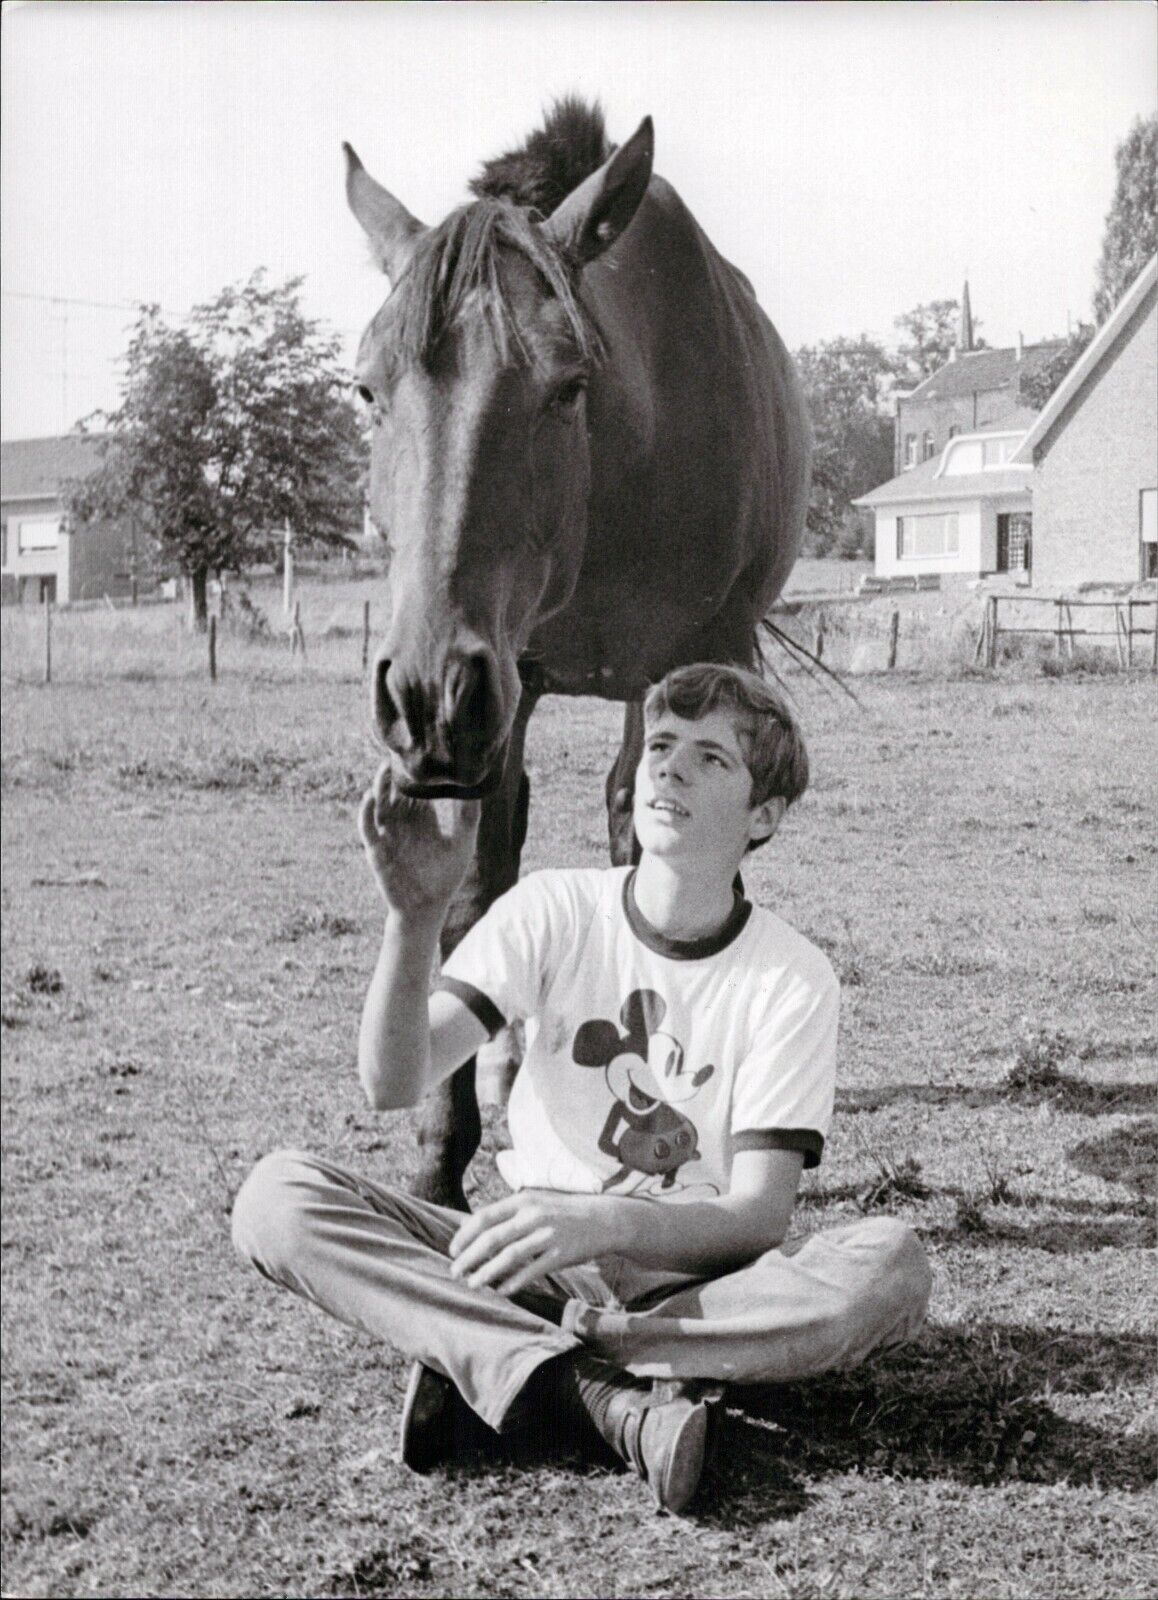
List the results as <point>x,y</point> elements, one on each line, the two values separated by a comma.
<point>930,449</point>
<point>910,450</point>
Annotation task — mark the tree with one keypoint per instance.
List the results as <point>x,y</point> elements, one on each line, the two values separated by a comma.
<point>932,333</point>
<point>228,428</point>
<point>846,383</point>
<point>1036,385</point>
<point>1131,236</point>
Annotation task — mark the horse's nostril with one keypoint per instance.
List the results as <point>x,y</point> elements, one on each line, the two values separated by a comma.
<point>385,712</point>
<point>476,694</point>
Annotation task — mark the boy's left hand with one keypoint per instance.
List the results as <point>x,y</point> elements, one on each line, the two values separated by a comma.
<point>509,1244</point>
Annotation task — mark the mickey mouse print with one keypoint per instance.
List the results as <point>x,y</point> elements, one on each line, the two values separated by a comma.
<point>649,1081</point>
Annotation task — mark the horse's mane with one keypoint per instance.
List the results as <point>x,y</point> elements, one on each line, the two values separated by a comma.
<point>515,192</point>
<point>550,162</point>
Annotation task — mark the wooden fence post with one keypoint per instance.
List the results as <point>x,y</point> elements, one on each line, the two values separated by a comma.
<point>365,634</point>
<point>213,649</point>
<point>1129,633</point>
<point>47,636</point>
<point>1154,657</point>
<point>1119,631</point>
<point>894,629</point>
<point>298,637</point>
<point>287,570</point>
<point>1058,640</point>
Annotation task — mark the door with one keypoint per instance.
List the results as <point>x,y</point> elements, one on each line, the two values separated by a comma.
<point>1015,542</point>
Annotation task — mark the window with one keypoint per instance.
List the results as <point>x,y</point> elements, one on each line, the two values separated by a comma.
<point>1148,517</point>
<point>910,450</point>
<point>935,535</point>
<point>37,533</point>
<point>930,448</point>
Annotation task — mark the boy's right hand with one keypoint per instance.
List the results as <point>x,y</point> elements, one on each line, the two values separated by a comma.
<point>419,850</point>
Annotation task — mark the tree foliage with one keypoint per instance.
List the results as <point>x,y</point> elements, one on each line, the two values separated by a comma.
<point>1131,236</point>
<point>1036,385</point>
<point>228,428</point>
<point>930,335</point>
<point>846,383</point>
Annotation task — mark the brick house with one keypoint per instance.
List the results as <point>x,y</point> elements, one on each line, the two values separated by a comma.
<point>973,391</point>
<point>41,556</point>
<point>961,514</point>
<point>1094,453</point>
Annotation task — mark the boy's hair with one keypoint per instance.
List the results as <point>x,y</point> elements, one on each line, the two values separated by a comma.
<point>768,732</point>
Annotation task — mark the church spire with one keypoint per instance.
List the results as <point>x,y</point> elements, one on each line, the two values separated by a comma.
<point>965,331</point>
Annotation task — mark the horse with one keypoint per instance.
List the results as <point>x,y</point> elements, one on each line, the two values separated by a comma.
<point>590,460</point>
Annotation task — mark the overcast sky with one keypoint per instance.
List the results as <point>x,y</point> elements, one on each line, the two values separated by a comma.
<point>853,159</point>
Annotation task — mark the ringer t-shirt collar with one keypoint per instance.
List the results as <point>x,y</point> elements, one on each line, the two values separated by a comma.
<point>684,949</point>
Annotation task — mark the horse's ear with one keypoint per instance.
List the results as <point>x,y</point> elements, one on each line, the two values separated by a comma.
<point>595,214</point>
<point>390,228</point>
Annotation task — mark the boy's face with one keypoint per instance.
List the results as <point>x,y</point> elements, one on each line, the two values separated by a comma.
<point>693,792</point>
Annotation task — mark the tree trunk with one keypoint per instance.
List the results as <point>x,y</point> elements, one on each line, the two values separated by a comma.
<point>199,599</point>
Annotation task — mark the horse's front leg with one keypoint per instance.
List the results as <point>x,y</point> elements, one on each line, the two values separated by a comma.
<point>447,1124</point>
<point>620,788</point>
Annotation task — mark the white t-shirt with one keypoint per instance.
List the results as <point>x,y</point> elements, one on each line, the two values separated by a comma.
<point>648,1062</point>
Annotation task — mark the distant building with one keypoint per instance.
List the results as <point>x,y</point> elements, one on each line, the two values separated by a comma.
<point>1094,453</point>
<point>41,555</point>
<point>963,513</point>
<point>1060,498</point>
<point>974,390</point>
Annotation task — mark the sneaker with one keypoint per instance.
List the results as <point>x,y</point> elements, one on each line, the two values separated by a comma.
<point>426,1434</point>
<point>664,1440</point>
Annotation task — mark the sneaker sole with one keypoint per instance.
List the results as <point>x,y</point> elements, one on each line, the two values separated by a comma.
<point>686,1459</point>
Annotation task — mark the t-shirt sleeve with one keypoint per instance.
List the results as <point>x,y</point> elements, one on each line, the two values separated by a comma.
<point>502,967</point>
<point>784,1086</point>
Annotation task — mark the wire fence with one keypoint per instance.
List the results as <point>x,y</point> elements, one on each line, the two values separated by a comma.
<point>331,631</point>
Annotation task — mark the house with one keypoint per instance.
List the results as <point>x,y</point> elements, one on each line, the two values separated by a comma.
<point>41,556</point>
<point>962,513</point>
<point>974,390</point>
<point>1094,454</point>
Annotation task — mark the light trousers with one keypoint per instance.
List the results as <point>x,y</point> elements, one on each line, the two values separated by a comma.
<point>378,1260</point>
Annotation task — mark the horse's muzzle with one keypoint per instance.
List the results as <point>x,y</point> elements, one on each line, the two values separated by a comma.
<point>446,731</point>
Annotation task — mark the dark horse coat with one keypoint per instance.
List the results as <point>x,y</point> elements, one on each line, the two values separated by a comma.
<point>590,459</point>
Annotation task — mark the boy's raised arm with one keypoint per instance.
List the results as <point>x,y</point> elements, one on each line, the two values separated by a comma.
<point>419,852</point>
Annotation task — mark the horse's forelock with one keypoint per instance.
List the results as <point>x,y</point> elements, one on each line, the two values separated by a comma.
<point>462,255</point>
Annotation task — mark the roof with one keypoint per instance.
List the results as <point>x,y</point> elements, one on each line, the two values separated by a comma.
<point>1085,368</point>
<point>922,483</point>
<point>34,469</point>
<point>978,371</point>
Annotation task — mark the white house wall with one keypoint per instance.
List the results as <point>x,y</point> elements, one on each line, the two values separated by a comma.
<point>969,539</point>
<point>30,564</point>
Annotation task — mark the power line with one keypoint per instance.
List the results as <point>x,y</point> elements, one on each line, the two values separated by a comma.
<point>97,305</point>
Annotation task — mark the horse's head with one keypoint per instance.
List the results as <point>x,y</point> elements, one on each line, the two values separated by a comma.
<point>476,371</point>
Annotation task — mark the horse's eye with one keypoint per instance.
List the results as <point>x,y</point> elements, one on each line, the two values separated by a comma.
<point>364,394</point>
<point>568,394</point>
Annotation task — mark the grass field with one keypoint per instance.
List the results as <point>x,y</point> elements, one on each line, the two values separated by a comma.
<point>188,928</point>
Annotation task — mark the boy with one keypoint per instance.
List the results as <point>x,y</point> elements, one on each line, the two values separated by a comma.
<point>677,1076</point>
